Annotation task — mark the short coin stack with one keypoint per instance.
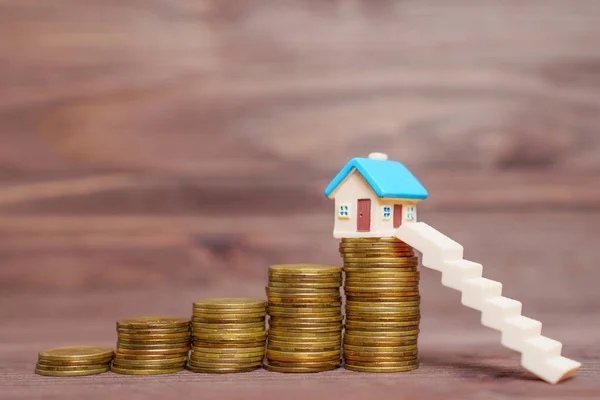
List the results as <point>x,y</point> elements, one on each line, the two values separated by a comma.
<point>74,361</point>
<point>229,335</point>
<point>151,345</point>
<point>382,305</point>
<point>305,326</point>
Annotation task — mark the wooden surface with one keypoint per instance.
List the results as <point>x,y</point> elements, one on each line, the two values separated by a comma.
<point>152,153</point>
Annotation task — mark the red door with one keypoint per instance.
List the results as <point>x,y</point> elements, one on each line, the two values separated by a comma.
<point>363,215</point>
<point>397,215</point>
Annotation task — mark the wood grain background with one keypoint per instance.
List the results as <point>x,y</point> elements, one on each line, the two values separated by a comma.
<point>180,147</point>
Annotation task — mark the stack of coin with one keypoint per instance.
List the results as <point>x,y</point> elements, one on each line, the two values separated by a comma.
<point>229,335</point>
<point>152,345</point>
<point>305,326</point>
<point>74,361</point>
<point>382,305</point>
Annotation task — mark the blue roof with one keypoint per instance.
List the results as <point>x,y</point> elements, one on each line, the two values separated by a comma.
<point>389,179</point>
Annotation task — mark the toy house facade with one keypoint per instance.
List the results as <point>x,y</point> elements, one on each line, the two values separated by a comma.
<point>373,197</point>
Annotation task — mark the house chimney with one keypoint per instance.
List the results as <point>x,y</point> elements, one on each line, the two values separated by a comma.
<point>378,156</point>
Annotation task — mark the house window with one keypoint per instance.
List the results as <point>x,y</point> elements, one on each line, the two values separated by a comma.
<point>344,211</point>
<point>386,212</point>
<point>411,213</point>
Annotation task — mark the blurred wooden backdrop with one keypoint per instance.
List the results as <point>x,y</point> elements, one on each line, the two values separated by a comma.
<point>145,143</point>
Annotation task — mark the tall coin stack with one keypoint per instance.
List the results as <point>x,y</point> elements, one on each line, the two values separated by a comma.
<point>382,305</point>
<point>305,325</point>
<point>151,345</point>
<point>229,335</point>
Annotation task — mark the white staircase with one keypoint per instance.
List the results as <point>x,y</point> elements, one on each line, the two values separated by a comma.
<point>539,354</point>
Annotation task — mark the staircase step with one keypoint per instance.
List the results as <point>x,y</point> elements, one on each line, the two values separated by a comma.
<point>519,329</point>
<point>455,273</point>
<point>477,290</point>
<point>497,310</point>
<point>551,369</point>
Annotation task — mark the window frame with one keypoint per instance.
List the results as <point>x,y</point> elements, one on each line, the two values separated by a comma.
<point>343,211</point>
<point>386,215</point>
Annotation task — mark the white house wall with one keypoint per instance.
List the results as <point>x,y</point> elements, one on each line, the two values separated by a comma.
<point>352,188</point>
<point>355,187</point>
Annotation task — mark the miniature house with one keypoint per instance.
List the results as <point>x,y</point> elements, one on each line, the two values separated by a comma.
<point>373,197</point>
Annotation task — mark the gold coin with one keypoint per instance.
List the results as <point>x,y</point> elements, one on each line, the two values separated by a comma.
<point>128,365</point>
<point>308,329</point>
<point>308,320</point>
<point>230,350</point>
<point>372,239</point>
<point>199,360</point>
<point>216,365</point>
<point>332,296</point>
<point>219,359</point>
<point>303,349</point>
<point>131,371</point>
<point>334,304</point>
<point>150,357</point>
<point>380,357</point>
<point>302,291</point>
<point>226,320</point>
<point>304,313</point>
<point>224,357</point>
<point>221,370</point>
<point>368,341</point>
<point>381,283</point>
<point>358,325</point>
<point>151,332</point>
<point>278,334</point>
<point>382,313</point>
<point>225,335</point>
<point>405,251</point>
<point>329,301</point>
<point>49,367</point>
<point>305,364</point>
<point>375,349</point>
<point>152,322</point>
<point>384,334</point>
<point>301,370</point>
<point>381,369</point>
<point>383,317</point>
<point>304,356</point>
<point>229,325</point>
<point>388,364</point>
<point>358,273</point>
<point>381,289</point>
<point>168,338</point>
<point>304,268</point>
<point>155,352</point>
<point>228,316</point>
<point>75,353</point>
<point>230,303</point>
<point>158,362</point>
<point>162,346</point>
<point>198,331</point>
<point>385,300</point>
<point>378,269</point>
<point>381,307</point>
<point>292,342</point>
<point>315,277</point>
<point>82,372</point>
<point>274,284</point>
<point>75,363</point>
<point>407,305</point>
<point>228,344</point>
<point>367,257</point>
